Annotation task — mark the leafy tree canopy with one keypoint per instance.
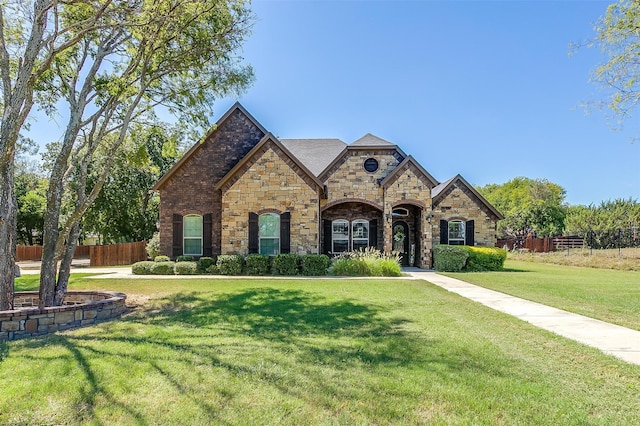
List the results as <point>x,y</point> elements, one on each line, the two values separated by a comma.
<point>529,206</point>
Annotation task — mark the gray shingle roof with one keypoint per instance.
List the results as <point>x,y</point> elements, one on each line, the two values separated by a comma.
<point>315,154</point>
<point>438,188</point>
<point>371,140</point>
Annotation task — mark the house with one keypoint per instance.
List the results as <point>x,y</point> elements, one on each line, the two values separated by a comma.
<point>241,190</point>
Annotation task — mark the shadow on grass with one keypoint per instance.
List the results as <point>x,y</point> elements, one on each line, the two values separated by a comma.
<point>267,337</point>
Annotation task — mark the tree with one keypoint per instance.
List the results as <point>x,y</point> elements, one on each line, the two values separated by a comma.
<point>178,55</point>
<point>30,192</point>
<point>126,208</point>
<point>32,35</point>
<point>529,206</point>
<point>618,36</point>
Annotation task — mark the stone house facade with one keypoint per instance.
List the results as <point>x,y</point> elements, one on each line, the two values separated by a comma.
<point>241,190</point>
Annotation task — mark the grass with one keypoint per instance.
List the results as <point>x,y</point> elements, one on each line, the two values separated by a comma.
<point>303,352</point>
<point>608,295</point>
<point>626,259</point>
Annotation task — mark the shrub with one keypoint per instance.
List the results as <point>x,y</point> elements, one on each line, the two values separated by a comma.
<point>212,269</point>
<point>163,268</point>
<point>142,268</point>
<point>485,258</point>
<point>449,258</point>
<point>229,264</point>
<point>153,246</point>
<point>369,262</point>
<point>161,259</point>
<point>315,264</point>
<point>257,264</point>
<point>286,264</point>
<point>204,263</point>
<point>184,259</point>
<point>186,268</point>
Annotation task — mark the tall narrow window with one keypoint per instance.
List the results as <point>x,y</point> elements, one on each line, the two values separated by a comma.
<point>192,235</point>
<point>340,236</point>
<point>360,235</point>
<point>456,232</point>
<point>269,234</point>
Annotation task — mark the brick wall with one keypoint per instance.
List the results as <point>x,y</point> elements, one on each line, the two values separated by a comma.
<point>191,189</point>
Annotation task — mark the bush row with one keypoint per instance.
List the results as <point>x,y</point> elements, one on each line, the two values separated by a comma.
<point>468,258</point>
<point>253,264</point>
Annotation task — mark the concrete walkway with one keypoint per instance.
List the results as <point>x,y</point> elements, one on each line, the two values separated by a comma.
<point>611,339</point>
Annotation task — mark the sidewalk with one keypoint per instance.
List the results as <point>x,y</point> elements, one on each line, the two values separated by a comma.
<point>611,339</point>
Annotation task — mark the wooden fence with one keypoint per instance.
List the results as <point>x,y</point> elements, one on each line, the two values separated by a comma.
<point>117,254</point>
<point>541,245</point>
<point>24,253</point>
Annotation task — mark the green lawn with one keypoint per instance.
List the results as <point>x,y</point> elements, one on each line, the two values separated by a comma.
<point>310,352</point>
<point>608,295</point>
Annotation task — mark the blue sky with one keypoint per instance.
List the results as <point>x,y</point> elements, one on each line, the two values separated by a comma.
<point>486,89</point>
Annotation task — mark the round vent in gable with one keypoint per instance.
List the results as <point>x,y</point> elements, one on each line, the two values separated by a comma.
<point>371,165</point>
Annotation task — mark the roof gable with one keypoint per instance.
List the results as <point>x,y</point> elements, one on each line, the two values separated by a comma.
<point>371,140</point>
<point>439,192</point>
<point>256,152</point>
<point>220,124</point>
<point>404,165</point>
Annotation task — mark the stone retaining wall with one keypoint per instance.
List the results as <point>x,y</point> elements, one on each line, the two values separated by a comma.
<point>80,308</point>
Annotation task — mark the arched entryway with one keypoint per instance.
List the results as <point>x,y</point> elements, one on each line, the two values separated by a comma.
<point>400,244</point>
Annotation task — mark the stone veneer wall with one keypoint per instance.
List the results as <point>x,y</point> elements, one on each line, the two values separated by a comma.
<point>459,203</point>
<point>270,182</point>
<point>411,187</point>
<point>349,179</point>
<point>80,308</point>
<point>191,189</point>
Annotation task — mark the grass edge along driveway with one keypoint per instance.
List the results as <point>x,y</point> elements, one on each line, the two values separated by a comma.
<point>310,352</point>
<point>604,294</point>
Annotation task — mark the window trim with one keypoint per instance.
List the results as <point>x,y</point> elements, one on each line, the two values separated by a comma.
<point>359,239</point>
<point>185,237</point>
<point>347,239</point>
<point>456,241</point>
<point>261,237</point>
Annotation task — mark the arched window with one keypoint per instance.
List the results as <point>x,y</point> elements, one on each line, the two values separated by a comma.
<point>340,236</point>
<point>456,232</point>
<point>360,234</point>
<point>269,234</point>
<point>400,212</point>
<point>192,235</point>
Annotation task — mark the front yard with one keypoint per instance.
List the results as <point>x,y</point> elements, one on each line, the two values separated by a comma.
<point>244,351</point>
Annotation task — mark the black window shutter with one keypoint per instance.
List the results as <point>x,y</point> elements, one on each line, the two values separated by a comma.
<point>469,233</point>
<point>373,233</point>
<point>285,232</point>
<point>253,232</point>
<point>444,232</point>
<point>326,224</point>
<point>207,238</point>
<point>176,248</point>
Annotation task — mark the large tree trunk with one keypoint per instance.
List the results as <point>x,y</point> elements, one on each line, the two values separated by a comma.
<point>8,223</point>
<point>65,266</point>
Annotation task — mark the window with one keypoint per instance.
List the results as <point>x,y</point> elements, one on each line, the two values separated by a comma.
<point>269,234</point>
<point>360,235</point>
<point>340,236</point>
<point>192,235</point>
<point>400,212</point>
<point>371,165</point>
<point>456,232</point>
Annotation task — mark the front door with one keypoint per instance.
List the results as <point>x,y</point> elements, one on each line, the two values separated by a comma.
<point>400,236</point>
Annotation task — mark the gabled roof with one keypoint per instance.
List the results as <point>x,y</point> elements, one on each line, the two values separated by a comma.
<point>265,140</point>
<point>315,154</point>
<point>371,140</point>
<point>437,193</point>
<point>236,106</point>
<point>406,162</point>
